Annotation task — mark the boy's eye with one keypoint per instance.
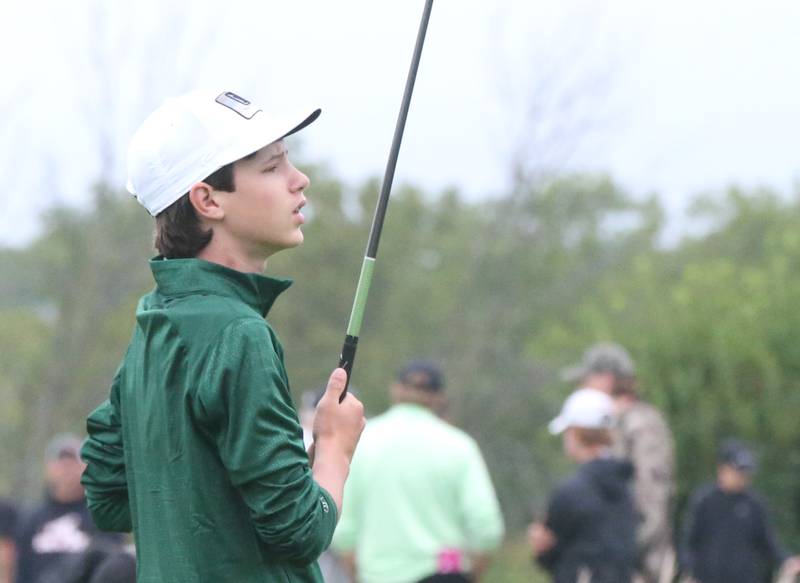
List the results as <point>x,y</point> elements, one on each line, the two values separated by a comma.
<point>270,169</point>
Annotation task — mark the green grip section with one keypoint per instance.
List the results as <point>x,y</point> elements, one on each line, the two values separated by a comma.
<point>360,301</point>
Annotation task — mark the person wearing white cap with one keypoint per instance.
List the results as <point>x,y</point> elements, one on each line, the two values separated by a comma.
<point>198,449</point>
<point>589,531</point>
<point>642,436</point>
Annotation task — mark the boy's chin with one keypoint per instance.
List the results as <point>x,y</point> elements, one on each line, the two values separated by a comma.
<point>293,242</point>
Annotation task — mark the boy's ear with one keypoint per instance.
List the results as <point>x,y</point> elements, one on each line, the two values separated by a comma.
<point>201,195</point>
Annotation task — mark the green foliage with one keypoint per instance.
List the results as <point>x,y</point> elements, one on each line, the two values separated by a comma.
<point>513,564</point>
<point>503,292</point>
<point>715,330</point>
<point>73,294</point>
<point>24,338</point>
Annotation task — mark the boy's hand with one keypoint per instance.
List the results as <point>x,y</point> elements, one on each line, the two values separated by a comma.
<point>337,429</point>
<point>338,426</point>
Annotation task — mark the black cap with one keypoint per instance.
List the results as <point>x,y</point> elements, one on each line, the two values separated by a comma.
<point>421,374</point>
<point>733,452</point>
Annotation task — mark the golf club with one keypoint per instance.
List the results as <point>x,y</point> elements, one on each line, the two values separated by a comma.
<point>348,354</point>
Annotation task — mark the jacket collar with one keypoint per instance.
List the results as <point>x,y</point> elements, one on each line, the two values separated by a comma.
<point>176,277</point>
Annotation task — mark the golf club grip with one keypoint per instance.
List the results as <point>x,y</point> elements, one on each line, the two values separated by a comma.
<point>346,360</point>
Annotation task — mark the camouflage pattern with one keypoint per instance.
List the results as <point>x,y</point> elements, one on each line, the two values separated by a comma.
<point>602,357</point>
<point>643,437</point>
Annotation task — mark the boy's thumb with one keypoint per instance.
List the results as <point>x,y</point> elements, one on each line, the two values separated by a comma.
<point>337,381</point>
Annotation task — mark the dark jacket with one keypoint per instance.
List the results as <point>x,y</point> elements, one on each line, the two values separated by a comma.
<point>727,538</point>
<point>51,536</point>
<point>593,519</point>
<point>8,518</point>
<point>104,561</point>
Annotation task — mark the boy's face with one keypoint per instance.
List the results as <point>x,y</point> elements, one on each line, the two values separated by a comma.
<point>731,479</point>
<point>571,444</point>
<point>262,216</point>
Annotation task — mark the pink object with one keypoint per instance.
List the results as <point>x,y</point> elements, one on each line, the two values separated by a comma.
<point>450,561</point>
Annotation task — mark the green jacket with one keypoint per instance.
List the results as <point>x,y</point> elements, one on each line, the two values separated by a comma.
<point>198,449</point>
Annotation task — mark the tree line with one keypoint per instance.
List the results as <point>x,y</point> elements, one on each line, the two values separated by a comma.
<point>503,292</point>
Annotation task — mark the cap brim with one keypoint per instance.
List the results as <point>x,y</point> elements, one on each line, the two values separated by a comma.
<point>307,121</point>
<point>264,135</point>
<point>557,425</point>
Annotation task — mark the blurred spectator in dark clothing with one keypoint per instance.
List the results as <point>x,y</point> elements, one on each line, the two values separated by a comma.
<point>589,533</point>
<point>103,561</point>
<point>117,568</point>
<point>8,526</point>
<point>727,536</point>
<point>60,527</point>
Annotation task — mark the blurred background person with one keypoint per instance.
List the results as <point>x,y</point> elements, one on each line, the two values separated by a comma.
<point>727,535</point>
<point>590,529</point>
<point>60,527</point>
<point>419,504</point>
<point>119,567</point>
<point>104,561</point>
<point>642,436</point>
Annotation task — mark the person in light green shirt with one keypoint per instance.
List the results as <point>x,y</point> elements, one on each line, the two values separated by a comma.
<point>419,503</point>
<point>198,449</point>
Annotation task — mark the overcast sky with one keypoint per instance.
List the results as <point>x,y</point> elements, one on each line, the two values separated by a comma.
<point>683,96</point>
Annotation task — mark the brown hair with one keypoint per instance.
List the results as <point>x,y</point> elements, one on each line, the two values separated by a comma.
<point>179,232</point>
<point>590,437</point>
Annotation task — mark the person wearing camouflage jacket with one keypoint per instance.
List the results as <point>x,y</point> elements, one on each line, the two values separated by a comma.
<point>642,437</point>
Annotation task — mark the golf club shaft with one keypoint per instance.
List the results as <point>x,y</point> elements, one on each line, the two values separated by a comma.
<point>348,354</point>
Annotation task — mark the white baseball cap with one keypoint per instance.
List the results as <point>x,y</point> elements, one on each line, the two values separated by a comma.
<point>192,136</point>
<point>587,408</point>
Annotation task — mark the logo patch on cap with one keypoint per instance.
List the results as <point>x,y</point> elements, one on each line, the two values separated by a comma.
<point>238,104</point>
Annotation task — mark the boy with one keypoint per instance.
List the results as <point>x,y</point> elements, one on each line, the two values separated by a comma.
<point>198,449</point>
<point>728,537</point>
<point>590,529</point>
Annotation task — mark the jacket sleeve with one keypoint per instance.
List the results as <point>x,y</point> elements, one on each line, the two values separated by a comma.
<point>563,520</point>
<point>650,449</point>
<point>691,533</point>
<point>245,406</point>
<point>766,538</point>
<point>479,506</point>
<point>104,478</point>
